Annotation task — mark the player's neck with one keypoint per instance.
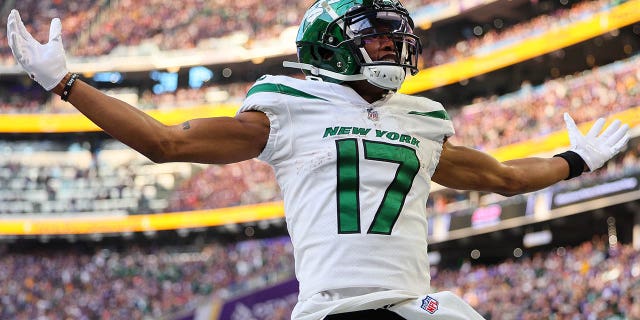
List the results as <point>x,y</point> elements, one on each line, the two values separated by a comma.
<point>367,91</point>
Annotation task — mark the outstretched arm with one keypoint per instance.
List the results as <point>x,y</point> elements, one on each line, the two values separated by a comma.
<point>465,168</point>
<point>468,169</point>
<point>210,140</point>
<point>207,140</point>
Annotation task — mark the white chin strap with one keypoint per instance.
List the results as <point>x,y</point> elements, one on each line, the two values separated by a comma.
<point>383,76</point>
<point>315,71</point>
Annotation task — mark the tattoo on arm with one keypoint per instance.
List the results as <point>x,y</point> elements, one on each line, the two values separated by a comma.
<point>186,125</point>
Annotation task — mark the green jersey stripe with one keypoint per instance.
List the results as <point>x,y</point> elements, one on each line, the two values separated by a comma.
<point>440,114</point>
<point>279,88</point>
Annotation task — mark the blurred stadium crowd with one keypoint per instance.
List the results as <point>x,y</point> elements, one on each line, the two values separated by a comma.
<point>96,27</point>
<point>486,124</point>
<point>482,42</point>
<point>130,188</point>
<point>133,29</point>
<point>144,282</point>
<point>593,280</point>
<point>171,26</point>
<point>590,281</point>
<point>136,281</point>
<point>532,112</point>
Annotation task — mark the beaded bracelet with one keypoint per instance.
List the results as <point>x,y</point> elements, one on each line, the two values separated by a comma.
<point>67,87</point>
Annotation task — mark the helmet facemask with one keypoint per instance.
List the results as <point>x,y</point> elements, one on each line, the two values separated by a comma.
<point>391,28</point>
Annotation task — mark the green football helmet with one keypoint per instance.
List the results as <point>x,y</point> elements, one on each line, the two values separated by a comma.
<point>333,33</point>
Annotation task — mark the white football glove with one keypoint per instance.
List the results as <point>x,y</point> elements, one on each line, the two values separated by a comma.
<point>593,149</point>
<point>45,63</point>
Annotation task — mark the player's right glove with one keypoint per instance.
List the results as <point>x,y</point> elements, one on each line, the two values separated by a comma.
<point>45,63</point>
<point>596,149</point>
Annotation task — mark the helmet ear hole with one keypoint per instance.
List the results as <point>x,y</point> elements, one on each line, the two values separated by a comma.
<point>324,54</point>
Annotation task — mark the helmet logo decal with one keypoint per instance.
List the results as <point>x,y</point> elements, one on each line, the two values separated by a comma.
<point>317,9</point>
<point>313,14</point>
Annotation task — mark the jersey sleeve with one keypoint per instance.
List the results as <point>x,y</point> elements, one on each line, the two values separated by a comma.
<point>263,97</point>
<point>427,116</point>
<point>447,124</point>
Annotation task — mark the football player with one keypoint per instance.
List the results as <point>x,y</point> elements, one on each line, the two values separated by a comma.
<point>354,158</point>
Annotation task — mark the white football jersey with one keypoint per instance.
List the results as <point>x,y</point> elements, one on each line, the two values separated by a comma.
<point>355,177</point>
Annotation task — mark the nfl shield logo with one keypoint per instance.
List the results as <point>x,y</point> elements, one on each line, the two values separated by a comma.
<point>429,304</point>
<point>372,114</point>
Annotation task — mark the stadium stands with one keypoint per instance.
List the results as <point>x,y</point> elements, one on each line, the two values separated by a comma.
<point>135,281</point>
<point>126,278</point>
<point>62,178</point>
<point>146,281</point>
<point>552,285</point>
<point>491,38</point>
<point>532,112</point>
<point>165,25</point>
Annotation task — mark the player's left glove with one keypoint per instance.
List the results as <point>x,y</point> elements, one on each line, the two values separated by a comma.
<point>596,149</point>
<point>45,63</point>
